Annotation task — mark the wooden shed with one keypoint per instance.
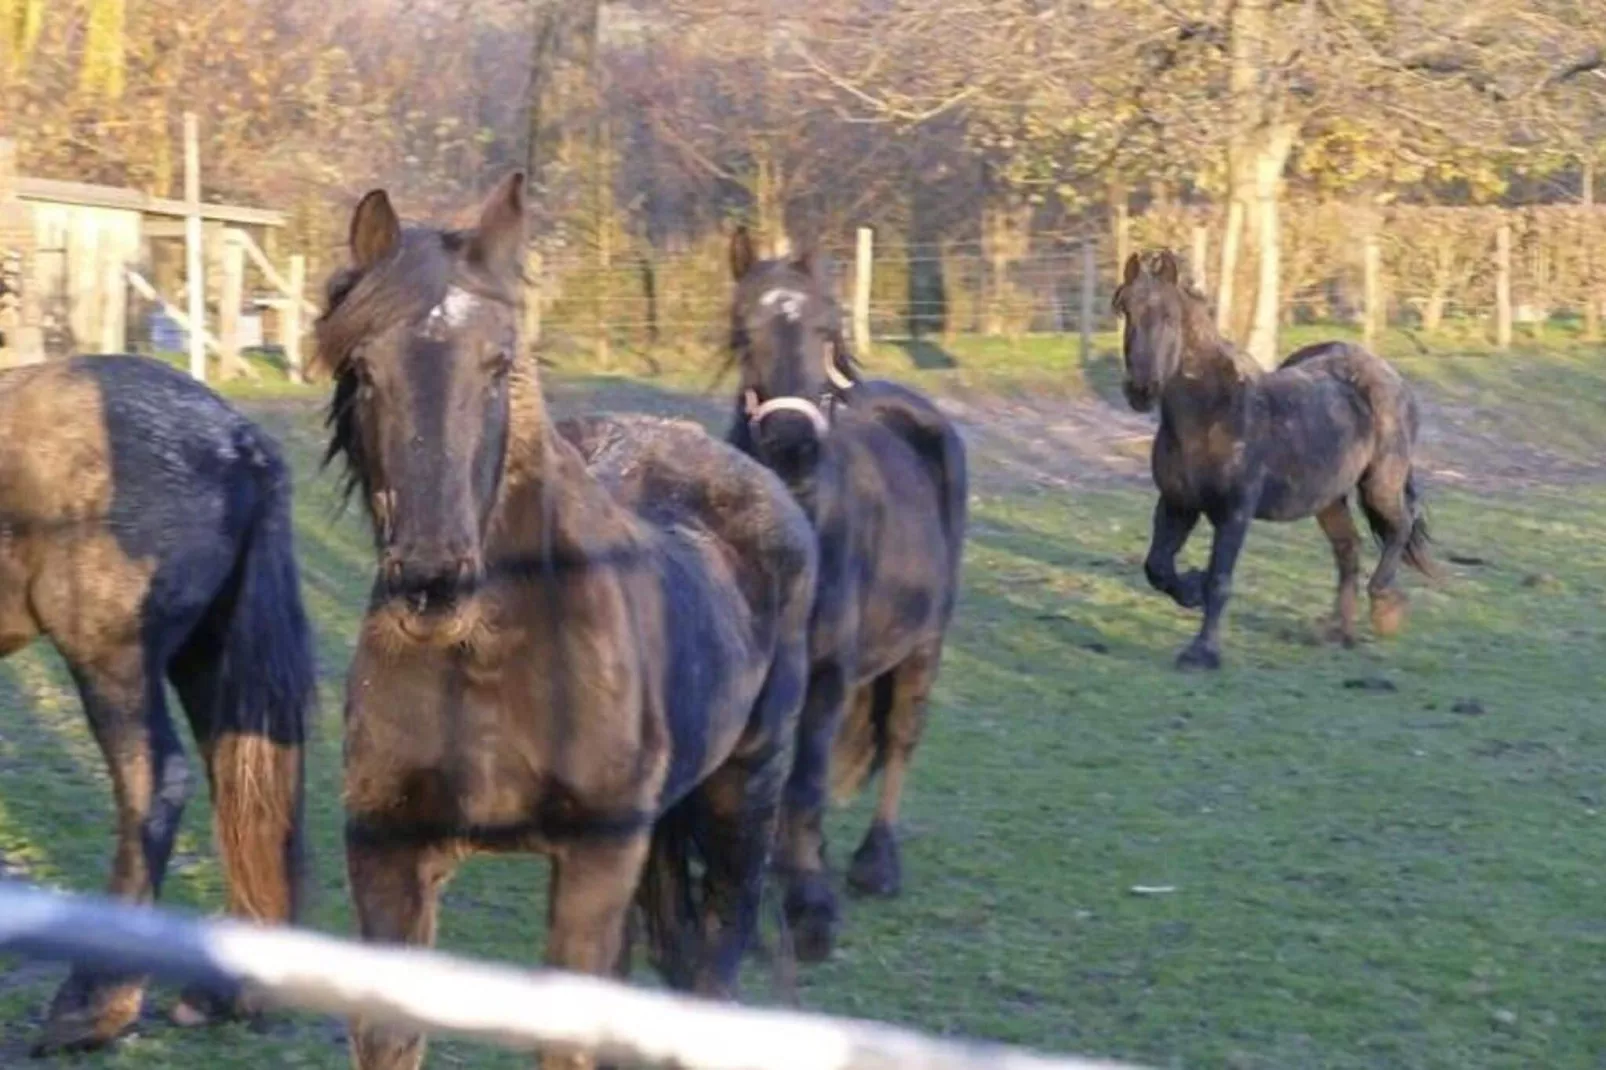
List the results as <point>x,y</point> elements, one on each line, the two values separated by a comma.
<point>97,254</point>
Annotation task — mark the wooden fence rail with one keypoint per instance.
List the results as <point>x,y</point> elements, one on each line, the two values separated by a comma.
<point>439,993</point>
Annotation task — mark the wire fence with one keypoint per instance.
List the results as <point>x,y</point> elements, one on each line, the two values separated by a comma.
<point>1465,272</point>
<point>438,993</point>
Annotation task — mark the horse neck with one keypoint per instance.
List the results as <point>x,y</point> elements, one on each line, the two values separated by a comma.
<point>1210,383</point>
<point>550,502</point>
<point>1207,357</point>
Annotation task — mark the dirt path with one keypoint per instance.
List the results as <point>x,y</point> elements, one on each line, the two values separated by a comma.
<point>1072,441</point>
<point>1066,440</point>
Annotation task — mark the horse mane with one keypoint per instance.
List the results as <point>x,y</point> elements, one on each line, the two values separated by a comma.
<point>1200,336</point>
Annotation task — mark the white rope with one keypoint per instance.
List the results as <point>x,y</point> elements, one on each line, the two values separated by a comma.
<point>433,992</point>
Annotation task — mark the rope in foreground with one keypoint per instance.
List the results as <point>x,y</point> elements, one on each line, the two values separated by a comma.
<point>438,993</point>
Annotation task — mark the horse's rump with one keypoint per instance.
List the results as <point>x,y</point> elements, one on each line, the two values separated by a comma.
<point>932,438</point>
<point>735,552</point>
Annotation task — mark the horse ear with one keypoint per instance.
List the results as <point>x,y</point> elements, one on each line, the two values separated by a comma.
<point>1134,267</point>
<point>375,229</point>
<point>499,235</point>
<point>742,255</point>
<point>1167,267</point>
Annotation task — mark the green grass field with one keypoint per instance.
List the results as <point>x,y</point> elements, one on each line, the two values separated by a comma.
<point>1407,873</point>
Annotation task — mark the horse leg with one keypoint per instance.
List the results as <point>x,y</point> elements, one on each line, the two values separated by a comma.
<point>810,904</point>
<point>1339,526</point>
<point>396,891</point>
<point>150,783</point>
<point>1383,500</point>
<point>876,868</point>
<point>1171,528</point>
<point>739,806</point>
<point>593,885</point>
<point>1205,650</point>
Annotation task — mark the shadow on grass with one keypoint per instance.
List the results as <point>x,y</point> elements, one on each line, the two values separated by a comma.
<point>925,354</point>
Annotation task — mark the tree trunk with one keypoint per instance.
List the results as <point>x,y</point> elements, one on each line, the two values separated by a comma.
<point>1257,151</point>
<point>1231,236</point>
<point>1270,158</point>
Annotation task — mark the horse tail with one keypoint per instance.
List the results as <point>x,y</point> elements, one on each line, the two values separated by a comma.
<point>1417,552</point>
<point>933,436</point>
<point>666,900</point>
<point>860,748</point>
<point>266,690</point>
<point>955,497</point>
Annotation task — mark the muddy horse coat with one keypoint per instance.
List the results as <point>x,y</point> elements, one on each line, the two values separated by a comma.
<point>585,640</point>
<point>1235,444</point>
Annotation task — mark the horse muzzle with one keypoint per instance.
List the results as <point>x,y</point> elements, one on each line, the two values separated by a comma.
<point>1141,396</point>
<point>427,591</point>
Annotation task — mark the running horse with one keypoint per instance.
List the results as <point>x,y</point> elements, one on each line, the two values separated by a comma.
<point>1332,422</point>
<point>585,639</point>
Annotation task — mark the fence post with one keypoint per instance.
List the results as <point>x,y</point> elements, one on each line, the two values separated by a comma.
<point>292,318</point>
<point>1502,285</point>
<point>194,281</point>
<point>1375,314</point>
<point>230,298</point>
<point>113,304</point>
<point>1123,229</point>
<point>863,252</point>
<point>1198,258</point>
<point>1090,284</point>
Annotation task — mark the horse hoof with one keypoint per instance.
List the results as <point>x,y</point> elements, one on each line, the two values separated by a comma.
<point>1197,658</point>
<point>1389,610</point>
<point>198,1006</point>
<point>876,869</point>
<point>811,918</point>
<point>82,1019</point>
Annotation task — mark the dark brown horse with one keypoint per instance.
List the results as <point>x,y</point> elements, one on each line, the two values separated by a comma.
<point>585,640</point>
<point>145,531</point>
<point>1235,445</point>
<point>881,473</point>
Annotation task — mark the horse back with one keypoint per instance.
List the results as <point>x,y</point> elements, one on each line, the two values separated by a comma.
<point>1328,412</point>
<point>152,476</point>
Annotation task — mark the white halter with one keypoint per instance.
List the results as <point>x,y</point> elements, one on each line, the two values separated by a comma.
<point>756,412</point>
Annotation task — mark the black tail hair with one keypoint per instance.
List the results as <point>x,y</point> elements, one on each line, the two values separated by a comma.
<point>668,903</point>
<point>1417,546</point>
<point>266,694</point>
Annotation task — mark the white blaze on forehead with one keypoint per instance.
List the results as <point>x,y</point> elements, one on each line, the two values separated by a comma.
<point>454,309</point>
<point>791,302</point>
